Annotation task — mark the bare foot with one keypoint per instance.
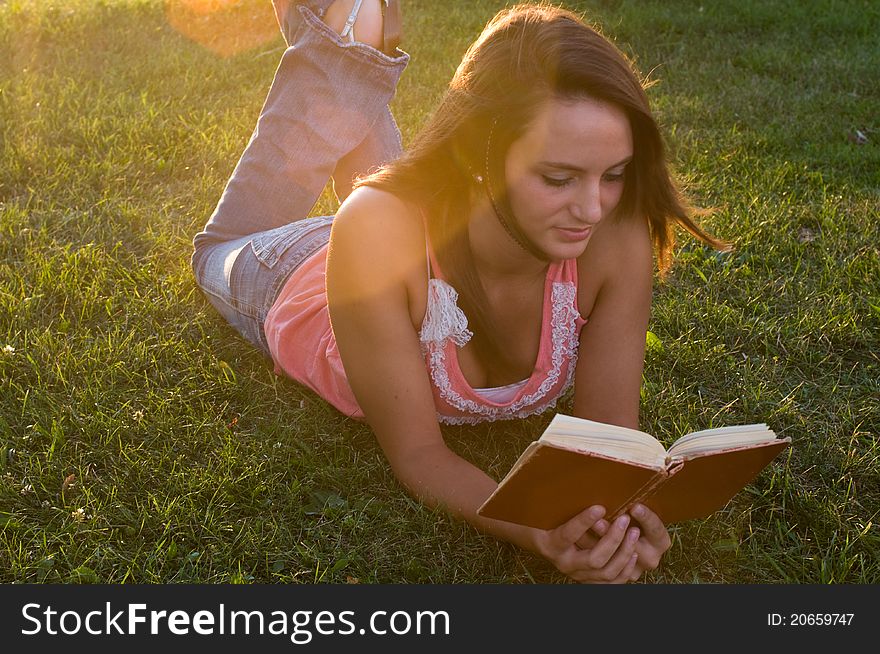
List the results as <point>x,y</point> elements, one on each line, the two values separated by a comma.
<point>367,27</point>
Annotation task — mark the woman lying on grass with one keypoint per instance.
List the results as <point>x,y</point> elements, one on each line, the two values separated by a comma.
<point>506,256</point>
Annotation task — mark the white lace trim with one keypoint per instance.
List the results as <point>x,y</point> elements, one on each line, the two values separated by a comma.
<point>443,319</point>
<point>563,325</point>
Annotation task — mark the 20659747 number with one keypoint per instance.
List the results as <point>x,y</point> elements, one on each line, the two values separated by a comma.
<point>810,619</point>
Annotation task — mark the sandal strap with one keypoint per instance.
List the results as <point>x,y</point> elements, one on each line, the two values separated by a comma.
<point>348,30</point>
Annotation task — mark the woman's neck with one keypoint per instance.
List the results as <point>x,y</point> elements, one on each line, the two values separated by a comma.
<point>497,256</point>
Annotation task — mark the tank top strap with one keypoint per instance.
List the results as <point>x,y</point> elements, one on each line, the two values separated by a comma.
<point>566,272</point>
<point>431,258</point>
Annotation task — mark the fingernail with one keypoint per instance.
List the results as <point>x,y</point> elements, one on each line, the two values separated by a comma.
<point>633,535</point>
<point>623,521</point>
<point>600,527</point>
<point>597,512</point>
<point>638,511</point>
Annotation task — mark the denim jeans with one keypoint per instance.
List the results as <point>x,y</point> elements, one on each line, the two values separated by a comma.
<point>326,116</point>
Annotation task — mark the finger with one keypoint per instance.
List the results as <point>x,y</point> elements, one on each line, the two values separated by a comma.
<point>600,576</point>
<point>620,568</point>
<point>596,578</point>
<point>600,527</point>
<point>630,572</point>
<point>587,541</point>
<point>625,557</point>
<point>601,554</point>
<point>572,530</point>
<point>637,572</point>
<point>653,528</point>
<point>649,554</point>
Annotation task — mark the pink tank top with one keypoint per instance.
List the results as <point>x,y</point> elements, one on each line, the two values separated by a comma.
<point>302,346</point>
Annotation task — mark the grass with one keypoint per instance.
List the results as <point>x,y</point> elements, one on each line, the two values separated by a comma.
<point>142,441</point>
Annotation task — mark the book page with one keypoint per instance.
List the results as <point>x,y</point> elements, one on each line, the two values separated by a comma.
<point>609,440</point>
<point>710,440</point>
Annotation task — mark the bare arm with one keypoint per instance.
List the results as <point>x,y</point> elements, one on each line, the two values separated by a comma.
<point>611,358</point>
<point>612,346</point>
<point>376,261</point>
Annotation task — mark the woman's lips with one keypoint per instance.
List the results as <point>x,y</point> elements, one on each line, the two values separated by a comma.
<point>574,233</point>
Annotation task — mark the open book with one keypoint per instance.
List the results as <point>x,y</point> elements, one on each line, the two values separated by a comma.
<point>577,463</point>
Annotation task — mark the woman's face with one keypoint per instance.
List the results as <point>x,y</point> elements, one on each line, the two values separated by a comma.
<point>566,173</point>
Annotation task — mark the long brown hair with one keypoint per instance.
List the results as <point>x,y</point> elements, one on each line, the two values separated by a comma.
<point>525,55</point>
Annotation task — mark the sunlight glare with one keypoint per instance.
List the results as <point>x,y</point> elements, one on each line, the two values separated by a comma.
<point>225,27</point>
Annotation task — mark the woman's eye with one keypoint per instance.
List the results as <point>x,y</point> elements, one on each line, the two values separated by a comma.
<point>556,181</point>
<point>614,177</point>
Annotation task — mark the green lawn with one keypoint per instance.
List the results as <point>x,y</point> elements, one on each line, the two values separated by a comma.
<point>142,441</point>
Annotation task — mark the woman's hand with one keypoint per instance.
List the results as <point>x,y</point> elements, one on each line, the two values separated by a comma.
<point>651,545</point>
<point>611,558</point>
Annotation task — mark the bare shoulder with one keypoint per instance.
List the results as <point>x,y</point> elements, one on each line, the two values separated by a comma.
<point>617,242</point>
<point>381,224</point>
<point>378,244</point>
<point>377,215</point>
<point>620,254</point>
<point>617,247</point>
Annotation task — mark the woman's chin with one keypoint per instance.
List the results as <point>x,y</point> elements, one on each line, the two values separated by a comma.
<point>567,243</point>
<point>558,251</point>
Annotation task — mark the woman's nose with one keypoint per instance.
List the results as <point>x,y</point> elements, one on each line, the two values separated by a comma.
<point>587,206</point>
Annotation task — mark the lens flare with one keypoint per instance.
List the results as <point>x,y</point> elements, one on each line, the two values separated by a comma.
<point>225,27</point>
